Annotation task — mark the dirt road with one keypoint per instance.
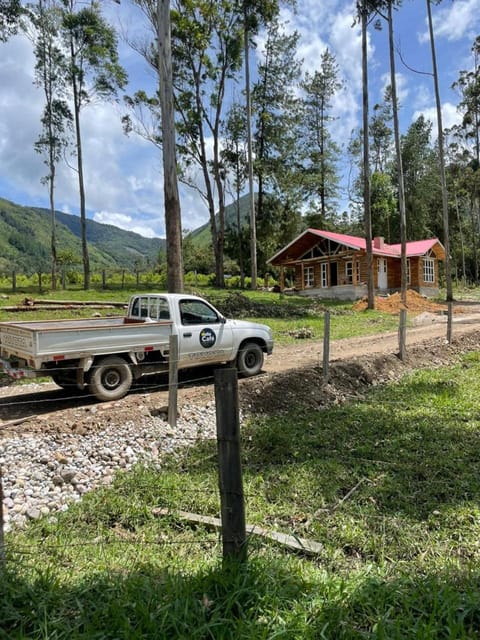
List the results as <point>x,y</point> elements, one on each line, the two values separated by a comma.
<point>291,374</point>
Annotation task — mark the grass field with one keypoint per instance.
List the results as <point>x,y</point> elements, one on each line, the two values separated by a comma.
<point>389,486</point>
<point>287,315</point>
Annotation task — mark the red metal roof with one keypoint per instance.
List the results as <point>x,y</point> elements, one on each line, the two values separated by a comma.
<point>414,248</point>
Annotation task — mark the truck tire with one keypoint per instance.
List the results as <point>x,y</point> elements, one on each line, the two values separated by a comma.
<point>249,359</point>
<point>110,379</point>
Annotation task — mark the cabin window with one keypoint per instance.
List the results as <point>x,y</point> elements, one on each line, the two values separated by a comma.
<point>428,270</point>
<point>308,279</point>
<point>409,278</point>
<point>357,272</point>
<point>349,272</point>
<point>324,274</point>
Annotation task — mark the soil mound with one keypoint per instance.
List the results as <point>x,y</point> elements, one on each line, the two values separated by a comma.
<point>393,303</point>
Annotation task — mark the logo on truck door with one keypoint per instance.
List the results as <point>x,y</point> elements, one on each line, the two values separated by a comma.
<point>207,338</point>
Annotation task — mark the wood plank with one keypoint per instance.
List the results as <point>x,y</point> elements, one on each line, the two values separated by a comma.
<point>293,543</point>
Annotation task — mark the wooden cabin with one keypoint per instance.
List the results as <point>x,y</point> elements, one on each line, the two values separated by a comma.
<point>334,265</point>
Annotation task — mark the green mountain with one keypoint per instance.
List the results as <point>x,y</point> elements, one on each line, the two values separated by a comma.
<point>25,241</point>
<point>201,237</point>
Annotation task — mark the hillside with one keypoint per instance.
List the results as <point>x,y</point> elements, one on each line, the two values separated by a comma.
<point>25,240</point>
<point>201,237</point>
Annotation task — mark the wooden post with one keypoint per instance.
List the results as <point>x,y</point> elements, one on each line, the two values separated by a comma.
<point>173,381</point>
<point>104,279</point>
<point>234,533</point>
<point>137,276</point>
<point>449,322</point>
<point>14,281</point>
<point>326,345</point>
<point>39,274</point>
<point>123,278</point>
<point>402,335</point>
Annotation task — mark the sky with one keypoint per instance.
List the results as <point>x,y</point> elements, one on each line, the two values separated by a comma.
<point>124,184</point>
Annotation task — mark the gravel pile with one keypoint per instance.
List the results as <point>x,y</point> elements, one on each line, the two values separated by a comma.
<point>44,473</point>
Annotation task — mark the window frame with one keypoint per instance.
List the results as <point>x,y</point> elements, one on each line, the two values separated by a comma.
<point>428,270</point>
<point>308,277</point>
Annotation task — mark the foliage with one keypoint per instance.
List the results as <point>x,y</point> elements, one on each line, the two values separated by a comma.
<point>10,14</point>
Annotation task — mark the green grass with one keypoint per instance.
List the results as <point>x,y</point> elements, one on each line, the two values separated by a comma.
<point>293,312</point>
<point>389,486</point>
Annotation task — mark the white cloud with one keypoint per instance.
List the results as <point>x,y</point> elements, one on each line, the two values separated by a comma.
<point>124,221</point>
<point>455,20</point>
<point>450,116</point>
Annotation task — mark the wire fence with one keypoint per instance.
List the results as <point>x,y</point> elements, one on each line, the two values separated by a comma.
<point>175,528</point>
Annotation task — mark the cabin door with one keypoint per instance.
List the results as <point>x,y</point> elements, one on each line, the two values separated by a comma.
<point>382,273</point>
<point>333,274</point>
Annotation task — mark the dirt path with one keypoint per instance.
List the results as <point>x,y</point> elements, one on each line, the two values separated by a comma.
<point>309,353</point>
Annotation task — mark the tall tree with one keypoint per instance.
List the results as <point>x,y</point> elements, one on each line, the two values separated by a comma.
<point>207,49</point>
<point>398,153</point>
<point>173,219</point>
<point>94,72</point>
<point>256,13</point>
<point>321,178</point>
<point>364,11</point>
<point>276,106</point>
<point>50,76</point>
<point>441,160</point>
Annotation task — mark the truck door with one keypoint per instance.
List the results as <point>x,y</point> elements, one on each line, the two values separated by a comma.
<point>203,335</point>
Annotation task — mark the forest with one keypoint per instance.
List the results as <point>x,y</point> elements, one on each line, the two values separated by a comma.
<point>273,140</point>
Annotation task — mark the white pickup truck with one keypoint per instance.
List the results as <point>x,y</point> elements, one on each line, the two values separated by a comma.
<point>105,355</point>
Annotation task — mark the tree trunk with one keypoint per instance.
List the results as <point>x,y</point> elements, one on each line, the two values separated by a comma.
<point>251,197</point>
<point>81,183</point>
<point>173,223</point>
<point>441,159</point>
<point>366,163</point>
<point>401,189</point>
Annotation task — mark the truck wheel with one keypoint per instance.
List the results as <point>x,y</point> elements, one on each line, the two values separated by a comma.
<point>111,378</point>
<point>250,359</point>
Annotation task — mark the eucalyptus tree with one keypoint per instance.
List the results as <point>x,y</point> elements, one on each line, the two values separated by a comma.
<point>441,161</point>
<point>93,73</point>
<point>50,76</point>
<point>173,223</point>
<point>320,150</point>
<point>207,40</point>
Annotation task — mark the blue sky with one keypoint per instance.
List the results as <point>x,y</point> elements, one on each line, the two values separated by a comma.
<point>123,174</point>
